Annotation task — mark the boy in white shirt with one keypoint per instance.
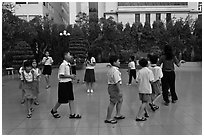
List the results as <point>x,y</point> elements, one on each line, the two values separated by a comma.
<point>65,87</point>
<point>116,96</point>
<point>131,69</point>
<point>156,85</point>
<point>144,78</point>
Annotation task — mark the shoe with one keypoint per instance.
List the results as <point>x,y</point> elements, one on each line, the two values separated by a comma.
<point>120,117</point>
<point>88,91</point>
<point>111,121</point>
<point>36,103</point>
<point>31,109</point>
<point>146,115</point>
<point>29,115</point>
<point>91,91</point>
<point>141,119</point>
<point>166,103</point>
<point>77,116</point>
<point>173,101</point>
<point>55,114</point>
<point>152,106</point>
<point>22,101</point>
<point>128,84</point>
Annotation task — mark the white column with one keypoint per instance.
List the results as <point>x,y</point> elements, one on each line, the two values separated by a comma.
<point>72,12</point>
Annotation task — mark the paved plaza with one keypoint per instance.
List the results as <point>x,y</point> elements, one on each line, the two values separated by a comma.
<point>182,118</point>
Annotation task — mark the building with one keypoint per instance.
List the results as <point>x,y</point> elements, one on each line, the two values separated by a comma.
<point>56,11</point>
<point>137,11</point>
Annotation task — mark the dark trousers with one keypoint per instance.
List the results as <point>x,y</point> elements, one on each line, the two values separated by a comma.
<point>168,81</point>
<point>132,74</point>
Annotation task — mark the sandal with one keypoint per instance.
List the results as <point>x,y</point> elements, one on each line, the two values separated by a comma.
<point>31,109</point>
<point>152,106</point>
<point>146,115</point>
<point>29,115</point>
<point>74,116</point>
<point>120,117</point>
<point>22,101</point>
<point>36,103</point>
<point>141,119</point>
<point>111,121</point>
<point>55,114</point>
<point>155,107</point>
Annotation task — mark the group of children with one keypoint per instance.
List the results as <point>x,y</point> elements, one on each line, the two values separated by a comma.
<point>148,79</point>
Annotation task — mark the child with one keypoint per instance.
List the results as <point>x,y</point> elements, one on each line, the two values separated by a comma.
<point>116,97</point>
<point>47,70</point>
<point>28,78</point>
<point>156,85</point>
<point>21,82</point>
<point>131,69</point>
<point>36,80</point>
<point>65,87</point>
<point>144,78</point>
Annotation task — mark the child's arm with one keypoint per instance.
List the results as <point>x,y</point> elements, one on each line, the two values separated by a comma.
<point>67,76</point>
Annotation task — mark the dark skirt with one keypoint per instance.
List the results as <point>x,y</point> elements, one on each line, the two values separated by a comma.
<point>65,92</point>
<point>89,75</point>
<point>47,70</point>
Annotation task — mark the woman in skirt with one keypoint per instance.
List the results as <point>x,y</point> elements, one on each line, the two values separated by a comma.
<point>89,77</point>
<point>47,70</point>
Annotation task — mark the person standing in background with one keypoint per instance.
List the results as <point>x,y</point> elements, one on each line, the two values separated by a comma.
<point>47,61</point>
<point>89,77</point>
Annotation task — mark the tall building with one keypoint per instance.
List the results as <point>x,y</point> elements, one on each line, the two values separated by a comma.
<point>56,11</point>
<point>137,11</point>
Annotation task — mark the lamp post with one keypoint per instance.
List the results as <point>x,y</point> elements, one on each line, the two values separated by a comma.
<point>64,35</point>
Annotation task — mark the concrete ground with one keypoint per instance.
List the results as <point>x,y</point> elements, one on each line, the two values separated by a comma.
<point>182,118</point>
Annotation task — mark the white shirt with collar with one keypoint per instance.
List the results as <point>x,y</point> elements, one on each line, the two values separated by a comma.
<point>64,69</point>
<point>47,60</point>
<point>131,65</point>
<point>114,75</point>
<point>157,71</point>
<point>28,76</point>
<point>144,76</point>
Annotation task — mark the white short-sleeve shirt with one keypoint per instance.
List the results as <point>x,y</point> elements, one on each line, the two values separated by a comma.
<point>47,60</point>
<point>93,60</point>
<point>131,65</point>
<point>37,72</point>
<point>157,71</point>
<point>144,76</point>
<point>64,69</point>
<point>114,75</point>
<point>28,76</point>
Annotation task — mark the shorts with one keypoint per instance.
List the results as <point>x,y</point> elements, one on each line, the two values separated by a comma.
<point>47,70</point>
<point>156,87</point>
<point>89,75</point>
<point>144,97</point>
<point>29,90</point>
<point>65,92</point>
<point>114,93</point>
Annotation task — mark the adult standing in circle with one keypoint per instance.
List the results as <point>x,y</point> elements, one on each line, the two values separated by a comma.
<point>47,61</point>
<point>89,77</point>
<point>168,59</point>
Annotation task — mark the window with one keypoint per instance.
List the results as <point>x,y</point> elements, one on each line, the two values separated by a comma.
<point>23,17</point>
<point>200,6</point>
<point>137,17</point>
<point>148,17</point>
<point>20,2</point>
<point>168,17</point>
<point>158,16</point>
<point>32,2</point>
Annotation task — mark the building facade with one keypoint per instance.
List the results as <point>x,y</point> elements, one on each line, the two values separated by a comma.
<point>56,11</point>
<point>130,12</point>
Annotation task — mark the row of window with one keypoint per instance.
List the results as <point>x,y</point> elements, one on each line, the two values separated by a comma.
<point>26,2</point>
<point>147,17</point>
<point>152,3</point>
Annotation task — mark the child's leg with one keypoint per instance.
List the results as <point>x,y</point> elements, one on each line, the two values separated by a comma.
<point>47,80</point>
<point>156,98</point>
<point>28,105</point>
<point>23,95</point>
<point>118,108</point>
<point>57,105</point>
<point>91,85</point>
<point>130,77</point>
<point>141,110</point>
<point>87,86</point>
<point>71,106</point>
<point>110,110</point>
